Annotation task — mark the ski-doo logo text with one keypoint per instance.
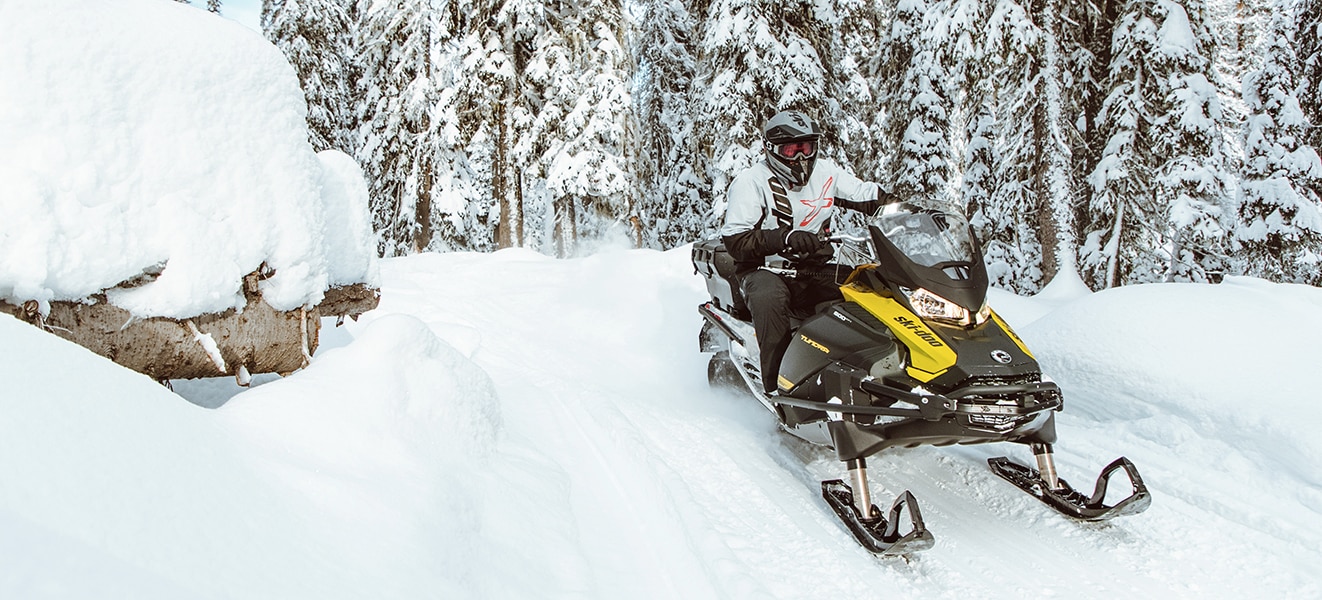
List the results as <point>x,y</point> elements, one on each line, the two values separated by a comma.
<point>917,330</point>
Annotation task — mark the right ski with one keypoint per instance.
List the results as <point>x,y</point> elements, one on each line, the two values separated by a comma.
<point>879,535</point>
<point>1070,502</point>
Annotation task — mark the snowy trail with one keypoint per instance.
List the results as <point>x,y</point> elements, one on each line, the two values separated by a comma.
<point>594,387</point>
<point>668,477</point>
<point>513,426</point>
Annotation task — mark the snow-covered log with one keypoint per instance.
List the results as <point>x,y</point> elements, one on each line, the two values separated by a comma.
<point>258,339</point>
<point>160,203</point>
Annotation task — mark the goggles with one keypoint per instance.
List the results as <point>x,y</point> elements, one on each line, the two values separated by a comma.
<point>797,149</point>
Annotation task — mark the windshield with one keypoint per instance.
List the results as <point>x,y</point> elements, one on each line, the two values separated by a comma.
<point>928,237</point>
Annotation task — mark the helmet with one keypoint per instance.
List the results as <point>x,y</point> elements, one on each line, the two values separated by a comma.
<point>790,140</point>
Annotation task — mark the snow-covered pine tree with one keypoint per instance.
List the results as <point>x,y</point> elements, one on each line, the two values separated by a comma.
<point>1159,187</point>
<point>1026,172</point>
<point>581,131</point>
<point>1279,233</point>
<point>516,24</point>
<point>213,6</point>
<point>977,181</point>
<point>1086,41</point>
<point>918,104</point>
<point>854,90</point>
<point>527,217</point>
<point>1308,40</point>
<point>970,64</point>
<point>1237,25</point>
<point>395,40</point>
<point>1054,119</point>
<point>316,37</point>
<point>755,58</point>
<point>1196,172</point>
<point>1122,230</point>
<point>1085,29</point>
<point>561,147</point>
<point>471,176</point>
<point>672,199</point>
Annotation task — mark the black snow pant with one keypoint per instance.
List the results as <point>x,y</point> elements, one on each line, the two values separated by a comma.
<point>773,300</point>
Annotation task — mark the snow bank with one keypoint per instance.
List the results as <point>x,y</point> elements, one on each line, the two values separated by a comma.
<point>1208,389</point>
<point>360,477</point>
<point>146,132</point>
<point>1233,357</point>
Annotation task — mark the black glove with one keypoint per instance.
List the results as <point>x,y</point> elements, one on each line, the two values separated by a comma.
<point>803,242</point>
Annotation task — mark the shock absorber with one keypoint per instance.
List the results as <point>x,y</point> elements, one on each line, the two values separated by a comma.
<point>1046,465</point>
<point>858,476</point>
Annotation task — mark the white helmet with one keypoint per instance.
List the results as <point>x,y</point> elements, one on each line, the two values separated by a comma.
<point>790,139</point>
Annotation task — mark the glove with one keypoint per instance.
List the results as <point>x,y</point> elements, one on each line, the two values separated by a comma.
<point>802,242</point>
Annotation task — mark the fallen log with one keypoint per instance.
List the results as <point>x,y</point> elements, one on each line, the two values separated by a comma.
<point>258,339</point>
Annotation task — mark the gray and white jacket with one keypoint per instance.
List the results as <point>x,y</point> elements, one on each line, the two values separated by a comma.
<point>761,209</point>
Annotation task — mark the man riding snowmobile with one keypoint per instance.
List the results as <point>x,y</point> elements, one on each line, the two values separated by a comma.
<point>782,205</point>
<point>898,348</point>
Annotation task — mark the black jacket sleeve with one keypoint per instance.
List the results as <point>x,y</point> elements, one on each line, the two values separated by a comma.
<point>755,244</point>
<point>869,207</point>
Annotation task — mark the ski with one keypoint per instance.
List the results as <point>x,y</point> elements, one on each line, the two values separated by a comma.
<point>878,534</point>
<point>1070,502</point>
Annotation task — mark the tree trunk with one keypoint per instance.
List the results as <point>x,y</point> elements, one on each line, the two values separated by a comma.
<point>506,181</point>
<point>566,233</point>
<point>422,209</point>
<point>258,340</point>
<point>500,182</point>
<point>1113,248</point>
<point>1048,233</point>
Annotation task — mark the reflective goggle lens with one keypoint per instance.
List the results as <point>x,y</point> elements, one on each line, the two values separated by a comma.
<point>796,149</point>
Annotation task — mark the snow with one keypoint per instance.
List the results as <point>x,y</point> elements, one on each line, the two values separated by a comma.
<point>510,425</point>
<point>141,133</point>
<point>208,344</point>
<point>246,12</point>
<point>1176,38</point>
<point>350,248</point>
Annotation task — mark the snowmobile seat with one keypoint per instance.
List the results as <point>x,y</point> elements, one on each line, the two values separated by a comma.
<point>714,263</point>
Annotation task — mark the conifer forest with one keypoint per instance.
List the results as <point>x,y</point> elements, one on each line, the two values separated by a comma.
<point>1130,141</point>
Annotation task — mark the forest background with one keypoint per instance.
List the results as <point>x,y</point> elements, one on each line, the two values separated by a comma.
<point>1130,141</point>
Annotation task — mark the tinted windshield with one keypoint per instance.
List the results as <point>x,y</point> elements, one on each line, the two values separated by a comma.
<point>928,237</point>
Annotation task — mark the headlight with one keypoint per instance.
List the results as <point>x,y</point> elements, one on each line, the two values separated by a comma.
<point>932,306</point>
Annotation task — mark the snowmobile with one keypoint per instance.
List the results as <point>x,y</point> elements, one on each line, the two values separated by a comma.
<point>911,355</point>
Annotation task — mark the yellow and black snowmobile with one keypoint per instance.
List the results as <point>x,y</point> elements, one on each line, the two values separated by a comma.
<point>911,356</point>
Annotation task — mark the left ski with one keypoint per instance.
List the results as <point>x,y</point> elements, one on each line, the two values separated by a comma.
<point>1069,501</point>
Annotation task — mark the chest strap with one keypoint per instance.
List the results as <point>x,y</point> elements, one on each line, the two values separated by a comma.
<point>781,203</point>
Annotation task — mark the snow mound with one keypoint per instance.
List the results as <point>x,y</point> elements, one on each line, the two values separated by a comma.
<point>330,483</point>
<point>1204,351</point>
<point>142,133</point>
